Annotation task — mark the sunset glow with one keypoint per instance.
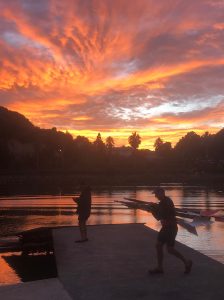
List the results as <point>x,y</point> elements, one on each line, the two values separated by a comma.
<point>115,67</point>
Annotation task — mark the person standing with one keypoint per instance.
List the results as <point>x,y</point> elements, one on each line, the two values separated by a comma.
<point>165,212</point>
<point>83,210</point>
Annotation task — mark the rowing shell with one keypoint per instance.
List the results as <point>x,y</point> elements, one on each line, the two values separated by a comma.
<point>179,211</point>
<point>146,206</point>
<point>203,215</point>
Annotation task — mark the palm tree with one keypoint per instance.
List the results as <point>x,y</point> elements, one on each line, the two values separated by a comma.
<point>134,140</point>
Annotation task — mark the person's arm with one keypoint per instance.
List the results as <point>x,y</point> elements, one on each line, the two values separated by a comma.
<point>154,208</point>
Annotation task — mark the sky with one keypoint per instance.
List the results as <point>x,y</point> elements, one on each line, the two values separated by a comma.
<point>115,66</point>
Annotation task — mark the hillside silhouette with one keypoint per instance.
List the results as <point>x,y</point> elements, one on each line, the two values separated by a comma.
<point>25,148</point>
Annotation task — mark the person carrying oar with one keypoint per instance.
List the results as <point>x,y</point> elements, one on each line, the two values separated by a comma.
<point>165,212</point>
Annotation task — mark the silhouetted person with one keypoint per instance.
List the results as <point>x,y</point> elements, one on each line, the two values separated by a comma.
<point>83,210</point>
<point>165,212</point>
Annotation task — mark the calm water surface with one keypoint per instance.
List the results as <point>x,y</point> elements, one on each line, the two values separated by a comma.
<point>20,213</point>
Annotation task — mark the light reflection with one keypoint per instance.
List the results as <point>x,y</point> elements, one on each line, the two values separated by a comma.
<point>7,274</point>
<point>44,211</point>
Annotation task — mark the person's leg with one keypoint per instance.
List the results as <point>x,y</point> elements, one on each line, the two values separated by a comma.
<point>187,263</point>
<point>159,253</point>
<point>176,253</point>
<point>159,250</point>
<point>83,231</point>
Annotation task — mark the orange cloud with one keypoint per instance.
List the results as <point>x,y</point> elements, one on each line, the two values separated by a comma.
<point>114,66</point>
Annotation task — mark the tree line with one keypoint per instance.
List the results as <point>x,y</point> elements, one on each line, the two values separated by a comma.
<point>25,147</point>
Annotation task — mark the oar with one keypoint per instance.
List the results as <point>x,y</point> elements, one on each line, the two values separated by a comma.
<point>179,211</point>
<point>138,204</point>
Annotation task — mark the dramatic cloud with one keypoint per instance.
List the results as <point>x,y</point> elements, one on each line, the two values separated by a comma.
<point>114,66</point>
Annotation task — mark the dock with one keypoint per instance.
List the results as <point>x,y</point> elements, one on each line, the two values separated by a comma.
<point>114,264</point>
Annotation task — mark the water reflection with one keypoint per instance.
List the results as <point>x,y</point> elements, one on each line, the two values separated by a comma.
<point>27,212</point>
<point>22,268</point>
<point>7,274</point>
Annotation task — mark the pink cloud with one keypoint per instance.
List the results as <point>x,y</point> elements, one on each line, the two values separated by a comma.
<point>100,65</point>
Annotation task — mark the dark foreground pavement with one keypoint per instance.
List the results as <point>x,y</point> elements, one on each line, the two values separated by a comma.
<point>115,261</point>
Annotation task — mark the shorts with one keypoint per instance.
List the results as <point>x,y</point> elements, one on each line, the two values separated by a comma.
<point>167,235</point>
<point>83,218</point>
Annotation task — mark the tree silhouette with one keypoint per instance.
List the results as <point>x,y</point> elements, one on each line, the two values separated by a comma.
<point>82,142</point>
<point>134,140</point>
<point>99,144</point>
<point>218,145</point>
<point>158,143</point>
<point>25,147</point>
<point>162,148</point>
<point>206,142</point>
<point>109,143</point>
<point>189,146</point>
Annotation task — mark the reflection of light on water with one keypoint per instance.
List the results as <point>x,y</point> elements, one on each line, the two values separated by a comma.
<point>210,241</point>
<point>23,213</point>
<point>7,274</point>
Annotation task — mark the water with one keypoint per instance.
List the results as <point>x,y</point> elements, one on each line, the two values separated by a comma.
<point>21,213</point>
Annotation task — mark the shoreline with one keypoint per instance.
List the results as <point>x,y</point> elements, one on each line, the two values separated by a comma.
<point>67,183</point>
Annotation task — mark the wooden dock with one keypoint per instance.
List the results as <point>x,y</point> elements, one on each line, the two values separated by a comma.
<point>48,289</point>
<point>113,264</point>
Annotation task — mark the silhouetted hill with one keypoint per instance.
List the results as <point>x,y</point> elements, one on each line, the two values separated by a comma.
<point>13,125</point>
<point>25,147</point>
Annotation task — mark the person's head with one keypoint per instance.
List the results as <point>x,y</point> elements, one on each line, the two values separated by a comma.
<point>159,193</point>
